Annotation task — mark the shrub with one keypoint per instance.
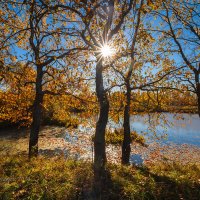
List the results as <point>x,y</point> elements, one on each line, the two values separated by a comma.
<point>116,137</point>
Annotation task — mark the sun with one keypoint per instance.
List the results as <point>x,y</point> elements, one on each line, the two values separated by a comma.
<point>107,51</point>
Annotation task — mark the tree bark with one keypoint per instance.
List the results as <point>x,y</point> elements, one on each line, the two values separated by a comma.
<point>197,89</point>
<point>198,98</point>
<point>99,139</point>
<point>126,146</point>
<point>36,116</point>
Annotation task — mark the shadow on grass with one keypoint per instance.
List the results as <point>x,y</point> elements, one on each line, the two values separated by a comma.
<point>122,185</point>
<point>57,178</point>
<point>172,189</point>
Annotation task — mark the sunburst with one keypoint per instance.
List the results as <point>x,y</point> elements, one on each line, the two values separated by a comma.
<point>106,51</point>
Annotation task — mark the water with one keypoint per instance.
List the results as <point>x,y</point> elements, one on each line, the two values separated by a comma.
<point>136,159</point>
<point>166,127</point>
<point>180,128</point>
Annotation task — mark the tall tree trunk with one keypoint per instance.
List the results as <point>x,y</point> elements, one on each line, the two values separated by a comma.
<point>99,139</point>
<point>197,89</point>
<point>36,117</point>
<point>126,146</point>
<point>198,98</point>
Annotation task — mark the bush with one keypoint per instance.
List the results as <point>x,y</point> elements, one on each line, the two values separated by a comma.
<point>116,137</point>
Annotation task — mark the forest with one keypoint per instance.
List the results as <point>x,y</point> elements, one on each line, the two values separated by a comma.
<point>99,99</point>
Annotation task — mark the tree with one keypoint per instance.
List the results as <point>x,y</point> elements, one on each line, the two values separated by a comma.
<point>126,149</point>
<point>180,37</point>
<point>139,67</point>
<point>16,98</point>
<point>102,22</point>
<point>38,34</point>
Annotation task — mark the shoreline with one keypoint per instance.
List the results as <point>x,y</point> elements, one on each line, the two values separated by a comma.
<point>53,141</point>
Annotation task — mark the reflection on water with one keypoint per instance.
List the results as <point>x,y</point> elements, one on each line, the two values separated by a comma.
<point>136,159</point>
<point>180,128</point>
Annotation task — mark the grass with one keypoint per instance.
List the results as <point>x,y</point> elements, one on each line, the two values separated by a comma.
<point>56,178</point>
<point>116,137</point>
<point>43,178</point>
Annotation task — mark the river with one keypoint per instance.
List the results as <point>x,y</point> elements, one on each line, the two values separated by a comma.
<point>166,127</point>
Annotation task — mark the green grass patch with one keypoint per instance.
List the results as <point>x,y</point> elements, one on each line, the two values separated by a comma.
<point>56,178</point>
<point>116,137</point>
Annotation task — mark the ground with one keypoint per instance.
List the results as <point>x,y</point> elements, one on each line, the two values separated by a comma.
<point>55,140</point>
<point>64,168</point>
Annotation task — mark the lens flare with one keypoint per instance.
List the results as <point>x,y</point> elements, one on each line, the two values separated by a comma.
<point>106,51</point>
